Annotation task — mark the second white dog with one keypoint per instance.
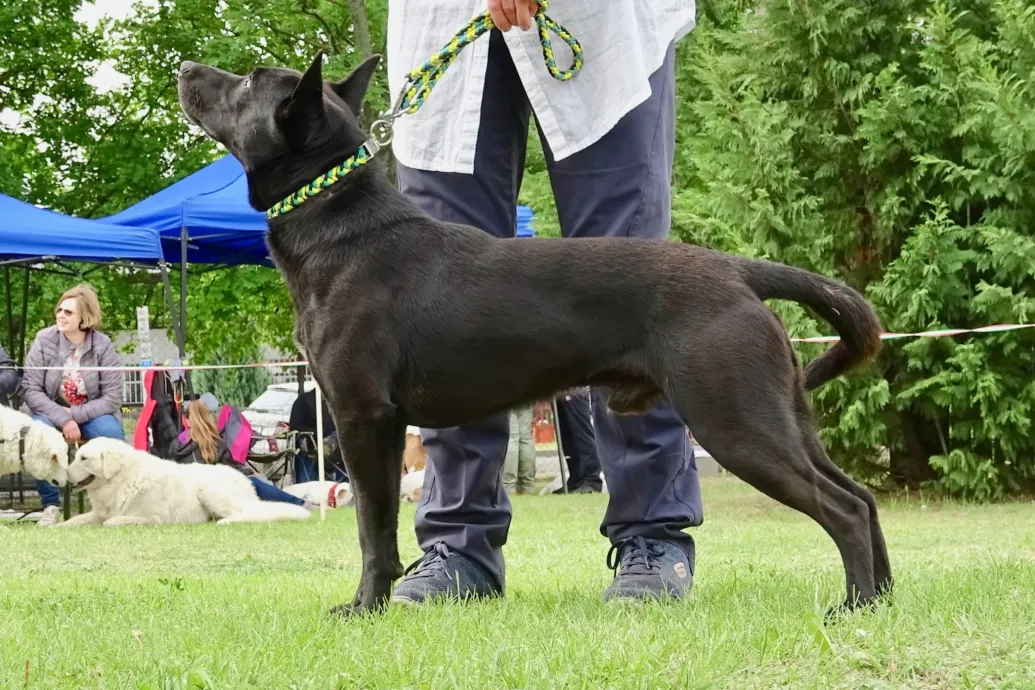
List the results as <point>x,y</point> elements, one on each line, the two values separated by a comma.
<point>127,486</point>
<point>31,446</point>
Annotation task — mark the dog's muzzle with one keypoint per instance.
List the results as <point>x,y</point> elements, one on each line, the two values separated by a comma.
<point>82,484</point>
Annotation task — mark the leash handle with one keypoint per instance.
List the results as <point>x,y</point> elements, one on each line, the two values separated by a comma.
<point>421,80</point>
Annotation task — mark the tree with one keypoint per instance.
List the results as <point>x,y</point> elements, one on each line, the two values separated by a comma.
<point>887,143</point>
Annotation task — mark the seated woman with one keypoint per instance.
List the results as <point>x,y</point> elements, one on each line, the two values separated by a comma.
<point>202,442</point>
<point>83,404</point>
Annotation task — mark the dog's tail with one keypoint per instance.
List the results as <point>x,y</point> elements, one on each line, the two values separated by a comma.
<point>845,309</point>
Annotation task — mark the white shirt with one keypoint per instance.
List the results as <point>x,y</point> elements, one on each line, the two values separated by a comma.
<point>623,43</point>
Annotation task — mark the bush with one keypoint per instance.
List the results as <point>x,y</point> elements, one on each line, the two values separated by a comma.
<point>890,144</point>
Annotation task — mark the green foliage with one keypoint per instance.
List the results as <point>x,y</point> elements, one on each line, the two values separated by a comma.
<point>890,144</point>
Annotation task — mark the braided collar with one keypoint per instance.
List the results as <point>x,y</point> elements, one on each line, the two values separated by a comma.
<point>362,156</point>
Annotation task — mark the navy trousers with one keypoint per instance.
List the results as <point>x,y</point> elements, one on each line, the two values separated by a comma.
<point>578,440</point>
<point>618,187</point>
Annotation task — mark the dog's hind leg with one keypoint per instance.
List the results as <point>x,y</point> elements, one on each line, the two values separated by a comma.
<point>737,394</point>
<point>373,445</point>
<point>883,581</point>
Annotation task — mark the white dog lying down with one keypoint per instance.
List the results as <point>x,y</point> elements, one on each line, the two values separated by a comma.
<point>32,447</point>
<point>130,487</point>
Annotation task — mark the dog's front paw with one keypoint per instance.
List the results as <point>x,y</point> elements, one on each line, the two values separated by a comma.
<point>344,611</point>
<point>835,614</point>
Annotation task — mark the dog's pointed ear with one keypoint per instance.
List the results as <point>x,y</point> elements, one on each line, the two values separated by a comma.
<point>353,88</point>
<point>310,87</point>
<point>307,98</point>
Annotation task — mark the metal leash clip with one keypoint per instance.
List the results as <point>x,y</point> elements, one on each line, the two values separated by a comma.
<point>381,131</point>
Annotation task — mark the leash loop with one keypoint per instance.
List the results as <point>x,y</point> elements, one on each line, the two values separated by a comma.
<point>421,80</point>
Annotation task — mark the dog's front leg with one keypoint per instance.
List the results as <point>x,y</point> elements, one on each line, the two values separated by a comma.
<point>91,519</point>
<point>373,456</point>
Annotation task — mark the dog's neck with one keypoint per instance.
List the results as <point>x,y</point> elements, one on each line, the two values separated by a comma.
<point>359,202</point>
<point>271,182</point>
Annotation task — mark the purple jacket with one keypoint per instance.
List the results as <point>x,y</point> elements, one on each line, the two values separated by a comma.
<point>41,388</point>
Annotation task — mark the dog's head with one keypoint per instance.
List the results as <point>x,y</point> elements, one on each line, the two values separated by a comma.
<point>100,458</point>
<point>272,116</point>
<point>46,454</point>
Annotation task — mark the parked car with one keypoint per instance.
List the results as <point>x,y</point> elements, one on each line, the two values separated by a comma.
<point>269,413</point>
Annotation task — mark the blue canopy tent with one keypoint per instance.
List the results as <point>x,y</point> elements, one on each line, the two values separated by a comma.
<point>205,218</point>
<point>208,211</point>
<point>31,235</point>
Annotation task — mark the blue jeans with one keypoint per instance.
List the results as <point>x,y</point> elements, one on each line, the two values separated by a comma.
<point>105,426</point>
<point>270,492</point>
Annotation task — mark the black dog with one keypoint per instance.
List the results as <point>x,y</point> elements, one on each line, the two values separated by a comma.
<point>406,320</point>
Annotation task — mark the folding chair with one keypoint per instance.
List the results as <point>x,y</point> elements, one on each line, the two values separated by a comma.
<point>273,456</point>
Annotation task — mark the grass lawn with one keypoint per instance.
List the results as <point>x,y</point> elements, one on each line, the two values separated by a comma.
<point>245,607</point>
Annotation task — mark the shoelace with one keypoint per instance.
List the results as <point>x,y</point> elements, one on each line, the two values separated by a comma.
<point>636,556</point>
<point>432,562</point>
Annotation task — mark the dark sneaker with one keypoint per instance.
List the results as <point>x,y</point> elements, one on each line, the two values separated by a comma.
<point>442,573</point>
<point>648,569</point>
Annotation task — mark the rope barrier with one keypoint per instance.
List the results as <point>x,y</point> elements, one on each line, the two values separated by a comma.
<point>942,333</point>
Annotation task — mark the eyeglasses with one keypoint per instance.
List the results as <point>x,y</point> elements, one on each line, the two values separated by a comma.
<point>66,312</point>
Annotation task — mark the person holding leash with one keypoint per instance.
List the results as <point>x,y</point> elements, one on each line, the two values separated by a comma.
<point>82,404</point>
<point>608,136</point>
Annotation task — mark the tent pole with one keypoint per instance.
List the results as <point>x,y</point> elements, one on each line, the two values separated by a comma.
<point>183,288</point>
<point>174,320</point>
<point>10,308</point>
<point>183,304</point>
<point>25,316</point>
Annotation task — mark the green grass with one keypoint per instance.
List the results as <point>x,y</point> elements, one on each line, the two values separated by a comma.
<point>245,607</point>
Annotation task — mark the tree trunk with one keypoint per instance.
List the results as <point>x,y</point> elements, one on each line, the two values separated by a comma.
<point>360,27</point>
<point>364,47</point>
<point>912,467</point>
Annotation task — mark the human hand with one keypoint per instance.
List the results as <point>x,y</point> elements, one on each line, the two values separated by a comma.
<point>71,431</point>
<point>509,13</point>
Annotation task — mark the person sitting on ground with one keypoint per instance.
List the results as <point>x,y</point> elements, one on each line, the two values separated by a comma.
<point>83,404</point>
<point>202,442</point>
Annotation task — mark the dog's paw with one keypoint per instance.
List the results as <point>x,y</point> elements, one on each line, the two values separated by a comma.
<point>846,608</point>
<point>343,612</point>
